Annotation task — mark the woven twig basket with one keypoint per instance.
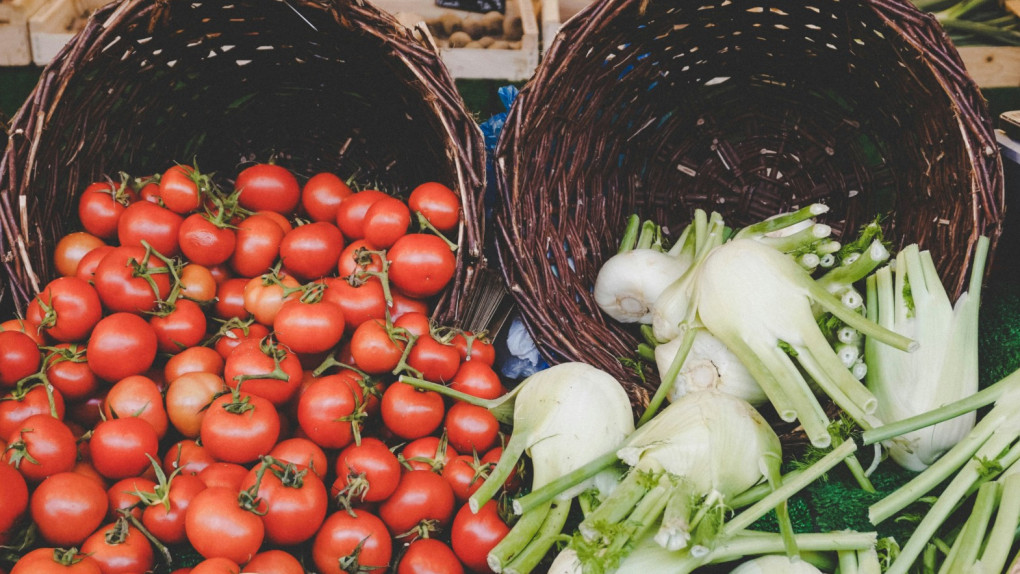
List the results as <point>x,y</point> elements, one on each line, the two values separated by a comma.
<point>746,107</point>
<point>330,85</point>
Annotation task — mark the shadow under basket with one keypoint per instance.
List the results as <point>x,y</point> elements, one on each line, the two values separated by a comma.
<point>335,86</point>
<point>745,107</point>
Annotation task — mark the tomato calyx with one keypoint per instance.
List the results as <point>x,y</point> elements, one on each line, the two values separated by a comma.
<point>160,494</point>
<point>270,349</point>
<point>120,192</point>
<point>141,268</point>
<point>363,259</point>
<point>424,529</point>
<point>71,352</point>
<point>227,327</point>
<point>238,404</point>
<point>352,562</point>
<point>17,451</point>
<point>119,533</point>
<point>436,463</point>
<point>24,386</point>
<point>67,556</point>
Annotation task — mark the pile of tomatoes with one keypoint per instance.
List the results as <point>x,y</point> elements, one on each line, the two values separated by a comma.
<point>215,375</point>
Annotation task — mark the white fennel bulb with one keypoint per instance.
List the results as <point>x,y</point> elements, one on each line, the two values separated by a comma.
<point>628,283</point>
<point>709,364</point>
<point>776,564</point>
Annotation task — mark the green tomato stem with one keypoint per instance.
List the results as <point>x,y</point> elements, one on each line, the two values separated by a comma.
<point>501,407</point>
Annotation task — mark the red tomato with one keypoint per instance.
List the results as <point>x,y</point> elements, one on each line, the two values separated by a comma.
<point>137,396</point>
<point>50,560</point>
<point>375,349</point>
<point>217,526</point>
<point>269,187</point>
<point>357,536</point>
<point>257,246</point>
<point>120,448</point>
<point>148,190</point>
<point>437,362</point>
<point>180,327</point>
<point>165,517</point>
<point>322,195</point>
<point>474,535</point>
<point>225,474</point>
<point>309,328</point>
<point>350,215</point>
<point>198,283</point>
<point>427,453</point>
<point>70,250</point>
<point>120,548</point>
<point>512,482</point>
<point>19,357</point>
<point>421,497</point>
<point>193,360</point>
<point>67,309</point>
<point>68,507</point>
<point>146,221</point>
<point>235,335</point>
<point>265,295</point>
<point>465,473</point>
<point>218,565</point>
<point>187,398</point>
<point>68,372</point>
<point>410,413</point>
<point>471,428</point>
<point>240,427</point>
<point>402,304</point>
<point>421,264</point>
<point>292,502</point>
<point>188,456</point>
<point>330,411</point>
<point>124,495</point>
<point>429,556</point>
<point>101,206</point>
<point>415,323</point>
<point>359,300</point>
<point>87,265</point>
<point>179,188</point>
<point>19,404</point>
<point>312,250</point>
<point>13,498</point>
<point>41,447</point>
<point>264,369</point>
<point>478,379</point>
<point>386,220</point>
<point>122,289</point>
<point>274,562</point>
<point>205,242</point>
<point>303,453</point>
<point>366,472</point>
<point>230,299</point>
<point>359,259</point>
<point>474,347</point>
<point>438,203</point>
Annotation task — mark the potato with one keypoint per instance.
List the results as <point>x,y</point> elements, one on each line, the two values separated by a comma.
<point>459,39</point>
<point>485,41</point>
<point>474,27</point>
<point>499,45</point>
<point>493,22</point>
<point>451,23</point>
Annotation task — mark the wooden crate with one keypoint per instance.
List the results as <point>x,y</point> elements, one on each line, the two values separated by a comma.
<point>992,66</point>
<point>15,44</point>
<point>55,23</point>
<point>476,63</point>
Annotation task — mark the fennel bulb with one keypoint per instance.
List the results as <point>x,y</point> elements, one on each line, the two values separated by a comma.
<point>759,303</point>
<point>708,365</point>
<point>776,564</point>
<point>628,283</point>
<point>911,300</point>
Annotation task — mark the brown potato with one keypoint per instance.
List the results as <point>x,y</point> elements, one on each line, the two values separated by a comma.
<point>459,39</point>
<point>451,23</point>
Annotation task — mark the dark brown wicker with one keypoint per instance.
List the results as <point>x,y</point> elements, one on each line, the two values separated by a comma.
<point>330,85</point>
<point>746,107</point>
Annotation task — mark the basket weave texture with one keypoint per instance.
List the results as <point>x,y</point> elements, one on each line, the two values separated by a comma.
<point>331,85</point>
<point>745,107</point>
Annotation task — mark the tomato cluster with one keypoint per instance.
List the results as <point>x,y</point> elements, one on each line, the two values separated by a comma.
<point>215,373</point>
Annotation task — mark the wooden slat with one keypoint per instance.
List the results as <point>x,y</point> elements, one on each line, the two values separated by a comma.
<point>992,66</point>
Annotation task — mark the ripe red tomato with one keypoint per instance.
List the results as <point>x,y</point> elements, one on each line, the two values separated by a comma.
<point>67,309</point>
<point>359,300</point>
<point>257,245</point>
<point>187,397</point>
<point>350,215</point>
<point>402,305</point>
<point>68,507</point>
<point>303,453</point>
<point>180,327</point>
<point>49,560</point>
<point>70,250</point>
<point>225,474</point>
<point>330,410</point>
<point>124,495</point>
<point>120,448</point>
<point>478,379</point>
<point>122,288</point>
<point>312,250</point>
<point>19,357</point>
<point>87,265</point>
<point>235,335</point>
<point>68,372</point>
<point>359,259</point>
<point>137,396</point>
<point>427,453</point>
<point>264,369</point>
<point>437,362</point>
<point>188,456</point>
<point>415,323</point>
<point>375,349</point>
<point>421,264</point>
<point>292,502</point>
<point>474,347</point>
<point>146,221</point>
<point>217,526</point>
<point>240,427</point>
<point>309,328</point>
<point>121,345</point>
<point>474,535</point>
<point>322,195</point>
<point>270,187</point>
<point>41,447</point>
<point>386,220</point>
<point>465,473</point>
<point>204,242</point>
<point>13,498</point>
<point>265,295</point>
<point>101,206</point>
<point>179,189</point>
<point>120,548</point>
<point>193,360</point>
<point>22,403</point>
<point>198,283</point>
<point>421,497</point>
<point>218,565</point>
<point>274,562</point>
<point>358,535</point>
<point>366,472</point>
<point>471,428</point>
<point>429,556</point>
<point>410,413</point>
<point>164,518</point>
<point>438,203</point>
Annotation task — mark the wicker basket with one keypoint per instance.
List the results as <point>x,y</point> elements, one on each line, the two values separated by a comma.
<point>746,107</point>
<point>330,85</point>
